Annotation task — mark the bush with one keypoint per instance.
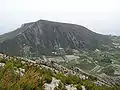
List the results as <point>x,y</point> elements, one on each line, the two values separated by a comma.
<point>79,87</point>
<point>62,77</point>
<point>48,79</point>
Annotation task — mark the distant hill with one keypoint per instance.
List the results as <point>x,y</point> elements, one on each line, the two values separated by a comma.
<point>44,37</point>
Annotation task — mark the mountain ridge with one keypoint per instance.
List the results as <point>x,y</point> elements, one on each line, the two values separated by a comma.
<point>44,35</point>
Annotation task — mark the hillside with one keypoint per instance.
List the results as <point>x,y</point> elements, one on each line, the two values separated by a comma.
<point>18,73</point>
<point>45,37</point>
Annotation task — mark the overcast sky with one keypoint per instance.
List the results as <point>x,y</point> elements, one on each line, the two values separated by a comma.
<point>102,16</point>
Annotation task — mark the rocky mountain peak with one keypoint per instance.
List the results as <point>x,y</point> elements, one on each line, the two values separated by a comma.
<point>44,37</point>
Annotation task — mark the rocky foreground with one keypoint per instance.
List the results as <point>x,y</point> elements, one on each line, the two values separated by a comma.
<point>18,73</point>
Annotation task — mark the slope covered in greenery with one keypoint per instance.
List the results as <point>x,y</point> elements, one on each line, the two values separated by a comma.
<point>20,74</point>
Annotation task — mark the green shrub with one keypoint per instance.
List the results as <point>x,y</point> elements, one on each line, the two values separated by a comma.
<point>79,87</point>
<point>62,77</point>
<point>48,79</point>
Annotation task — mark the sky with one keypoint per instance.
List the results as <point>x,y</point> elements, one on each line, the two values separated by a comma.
<point>101,16</point>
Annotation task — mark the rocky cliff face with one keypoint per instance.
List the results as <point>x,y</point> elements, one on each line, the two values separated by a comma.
<point>44,37</point>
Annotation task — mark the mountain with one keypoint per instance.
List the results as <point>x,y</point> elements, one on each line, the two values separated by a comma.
<point>45,37</point>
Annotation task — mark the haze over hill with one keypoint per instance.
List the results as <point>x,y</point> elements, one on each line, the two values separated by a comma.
<point>101,16</point>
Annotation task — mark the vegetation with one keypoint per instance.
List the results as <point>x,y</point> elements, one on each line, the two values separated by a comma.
<point>34,77</point>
